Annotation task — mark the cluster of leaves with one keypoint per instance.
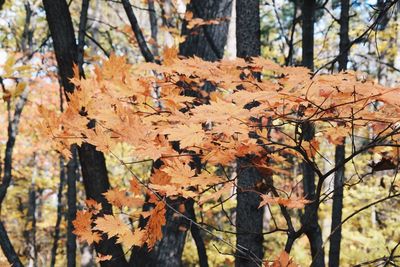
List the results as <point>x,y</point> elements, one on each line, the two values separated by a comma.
<point>215,112</point>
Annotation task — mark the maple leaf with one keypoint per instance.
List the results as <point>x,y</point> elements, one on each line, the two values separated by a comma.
<point>116,197</point>
<point>130,239</point>
<point>155,224</point>
<point>292,203</point>
<point>226,189</point>
<point>187,135</point>
<point>83,230</point>
<point>100,257</point>
<point>111,225</point>
<point>160,177</point>
<point>135,186</point>
<point>93,206</point>
<point>283,260</point>
<point>179,171</point>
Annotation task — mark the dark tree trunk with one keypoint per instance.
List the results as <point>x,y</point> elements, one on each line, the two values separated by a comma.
<point>8,248</point>
<point>207,41</point>
<point>12,131</point>
<point>344,42</point>
<point>308,17</point>
<point>248,42</point>
<point>310,224</point>
<point>144,49</point>
<point>94,172</point>
<point>170,249</point>
<point>196,234</point>
<point>249,218</point>
<point>337,205</point>
<point>72,174</point>
<point>141,256</point>
<point>59,213</point>
<point>30,226</point>
<point>309,219</point>
<point>153,26</point>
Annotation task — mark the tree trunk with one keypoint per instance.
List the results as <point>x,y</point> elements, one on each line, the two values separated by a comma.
<point>207,41</point>
<point>30,232</point>
<point>337,205</point>
<point>8,248</point>
<point>308,16</point>
<point>196,234</point>
<point>153,26</point>
<point>12,131</point>
<point>94,172</point>
<point>309,220</point>
<point>72,174</point>
<point>59,213</point>
<point>248,42</point>
<point>249,218</point>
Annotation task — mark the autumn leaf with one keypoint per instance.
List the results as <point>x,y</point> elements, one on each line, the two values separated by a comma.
<point>93,206</point>
<point>226,189</point>
<point>116,197</point>
<point>120,198</point>
<point>283,260</point>
<point>155,223</point>
<point>292,203</point>
<point>135,186</point>
<point>110,225</point>
<point>130,239</point>
<point>83,229</point>
<point>187,135</point>
<point>100,257</point>
<point>179,172</point>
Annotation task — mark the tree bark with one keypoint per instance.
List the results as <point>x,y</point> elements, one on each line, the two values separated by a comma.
<point>308,17</point>
<point>12,131</point>
<point>30,232</point>
<point>94,171</point>
<point>344,42</point>
<point>248,42</point>
<point>310,224</point>
<point>144,49</point>
<point>72,174</point>
<point>196,234</point>
<point>337,205</point>
<point>59,213</point>
<point>207,41</point>
<point>153,26</point>
<point>8,248</point>
<point>249,218</point>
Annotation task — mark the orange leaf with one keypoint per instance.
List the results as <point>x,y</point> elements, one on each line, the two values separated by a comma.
<point>155,223</point>
<point>291,203</point>
<point>135,186</point>
<point>111,225</point>
<point>83,230</point>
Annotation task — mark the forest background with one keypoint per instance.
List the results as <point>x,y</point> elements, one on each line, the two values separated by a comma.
<point>315,185</point>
